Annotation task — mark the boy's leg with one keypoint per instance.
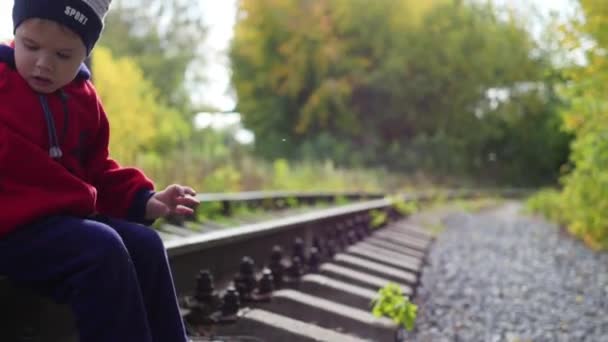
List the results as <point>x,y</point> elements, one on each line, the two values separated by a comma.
<point>151,264</point>
<point>83,263</point>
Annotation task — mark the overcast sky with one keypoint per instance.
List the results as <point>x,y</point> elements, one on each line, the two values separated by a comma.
<point>220,18</point>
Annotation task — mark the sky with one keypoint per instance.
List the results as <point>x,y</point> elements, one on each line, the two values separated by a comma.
<point>220,16</point>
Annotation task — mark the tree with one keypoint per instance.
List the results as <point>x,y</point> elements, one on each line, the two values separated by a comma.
<point>131,101</point>
<point>164,38</point>
<point>584,199</point>
<point>402,84</point>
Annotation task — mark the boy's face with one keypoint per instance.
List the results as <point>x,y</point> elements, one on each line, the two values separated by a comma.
<point>47,54</point>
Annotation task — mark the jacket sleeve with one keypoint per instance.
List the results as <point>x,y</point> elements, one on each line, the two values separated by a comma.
<point>122,192</point>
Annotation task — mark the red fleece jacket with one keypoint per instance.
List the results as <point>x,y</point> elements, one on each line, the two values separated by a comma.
<point>84,181</point>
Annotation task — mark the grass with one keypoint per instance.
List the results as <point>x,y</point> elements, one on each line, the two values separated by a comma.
<point>430,218</point>
<point>428,214</point>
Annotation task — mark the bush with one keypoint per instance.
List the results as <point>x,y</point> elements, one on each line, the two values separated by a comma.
<point>547,202</point>
<point>393,304</point>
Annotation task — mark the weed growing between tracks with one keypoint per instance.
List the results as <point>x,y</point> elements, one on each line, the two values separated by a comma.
<point>393,304</point>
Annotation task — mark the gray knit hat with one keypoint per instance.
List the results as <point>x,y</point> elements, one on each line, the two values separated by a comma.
<point>84,17</point>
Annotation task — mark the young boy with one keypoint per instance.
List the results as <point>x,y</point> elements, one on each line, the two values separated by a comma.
<point>67,210</point>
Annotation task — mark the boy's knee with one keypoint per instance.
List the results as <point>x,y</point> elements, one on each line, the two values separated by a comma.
<point>152,241</point>
<point>104,242</point>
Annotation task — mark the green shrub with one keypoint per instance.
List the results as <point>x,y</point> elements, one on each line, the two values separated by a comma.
<point>547,202</point>
<point>405,208</point>
<point>393,304</point>
<point>379,218</point>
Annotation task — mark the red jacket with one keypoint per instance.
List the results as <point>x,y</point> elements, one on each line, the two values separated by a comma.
<point>84,181</point>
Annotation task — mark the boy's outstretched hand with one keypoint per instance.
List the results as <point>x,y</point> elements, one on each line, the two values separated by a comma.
<point>175,199</point>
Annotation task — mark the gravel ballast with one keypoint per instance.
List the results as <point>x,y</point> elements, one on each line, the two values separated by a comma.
<point>499,275</point>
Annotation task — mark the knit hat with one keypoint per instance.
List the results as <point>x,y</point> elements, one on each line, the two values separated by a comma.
<point>84,17</point>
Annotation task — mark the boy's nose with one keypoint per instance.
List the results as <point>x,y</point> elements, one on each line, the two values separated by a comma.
<point>44,64</point>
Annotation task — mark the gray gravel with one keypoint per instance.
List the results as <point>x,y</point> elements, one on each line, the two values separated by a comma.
<point>502,276</point>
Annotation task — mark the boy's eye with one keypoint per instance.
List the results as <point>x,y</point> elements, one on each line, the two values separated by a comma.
<point>63,56</point>
<point>31,47</point>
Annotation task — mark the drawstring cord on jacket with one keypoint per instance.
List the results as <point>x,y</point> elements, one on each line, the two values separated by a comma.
<point>54,146</point>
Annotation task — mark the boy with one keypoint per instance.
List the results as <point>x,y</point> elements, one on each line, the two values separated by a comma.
<point>67,210</point>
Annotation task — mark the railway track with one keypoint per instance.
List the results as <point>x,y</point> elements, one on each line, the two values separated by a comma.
<point>305,276</point>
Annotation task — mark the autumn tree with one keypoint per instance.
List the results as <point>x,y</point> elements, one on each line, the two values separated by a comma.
<point>164,37</point>
<point>139,122</point>
<point>584,200</point>
<point>402,84</point>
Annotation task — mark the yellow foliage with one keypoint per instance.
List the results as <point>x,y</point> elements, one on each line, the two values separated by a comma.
<point>583,202</point>
<point>573,122</point>
<point>128,102</point>
<point>137,120</point>
<point>318,53</point>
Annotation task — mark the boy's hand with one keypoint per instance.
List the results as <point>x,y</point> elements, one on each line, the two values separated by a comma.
<point>175,199</point>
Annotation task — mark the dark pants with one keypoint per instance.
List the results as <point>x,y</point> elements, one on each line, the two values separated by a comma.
<point>114,274</point>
